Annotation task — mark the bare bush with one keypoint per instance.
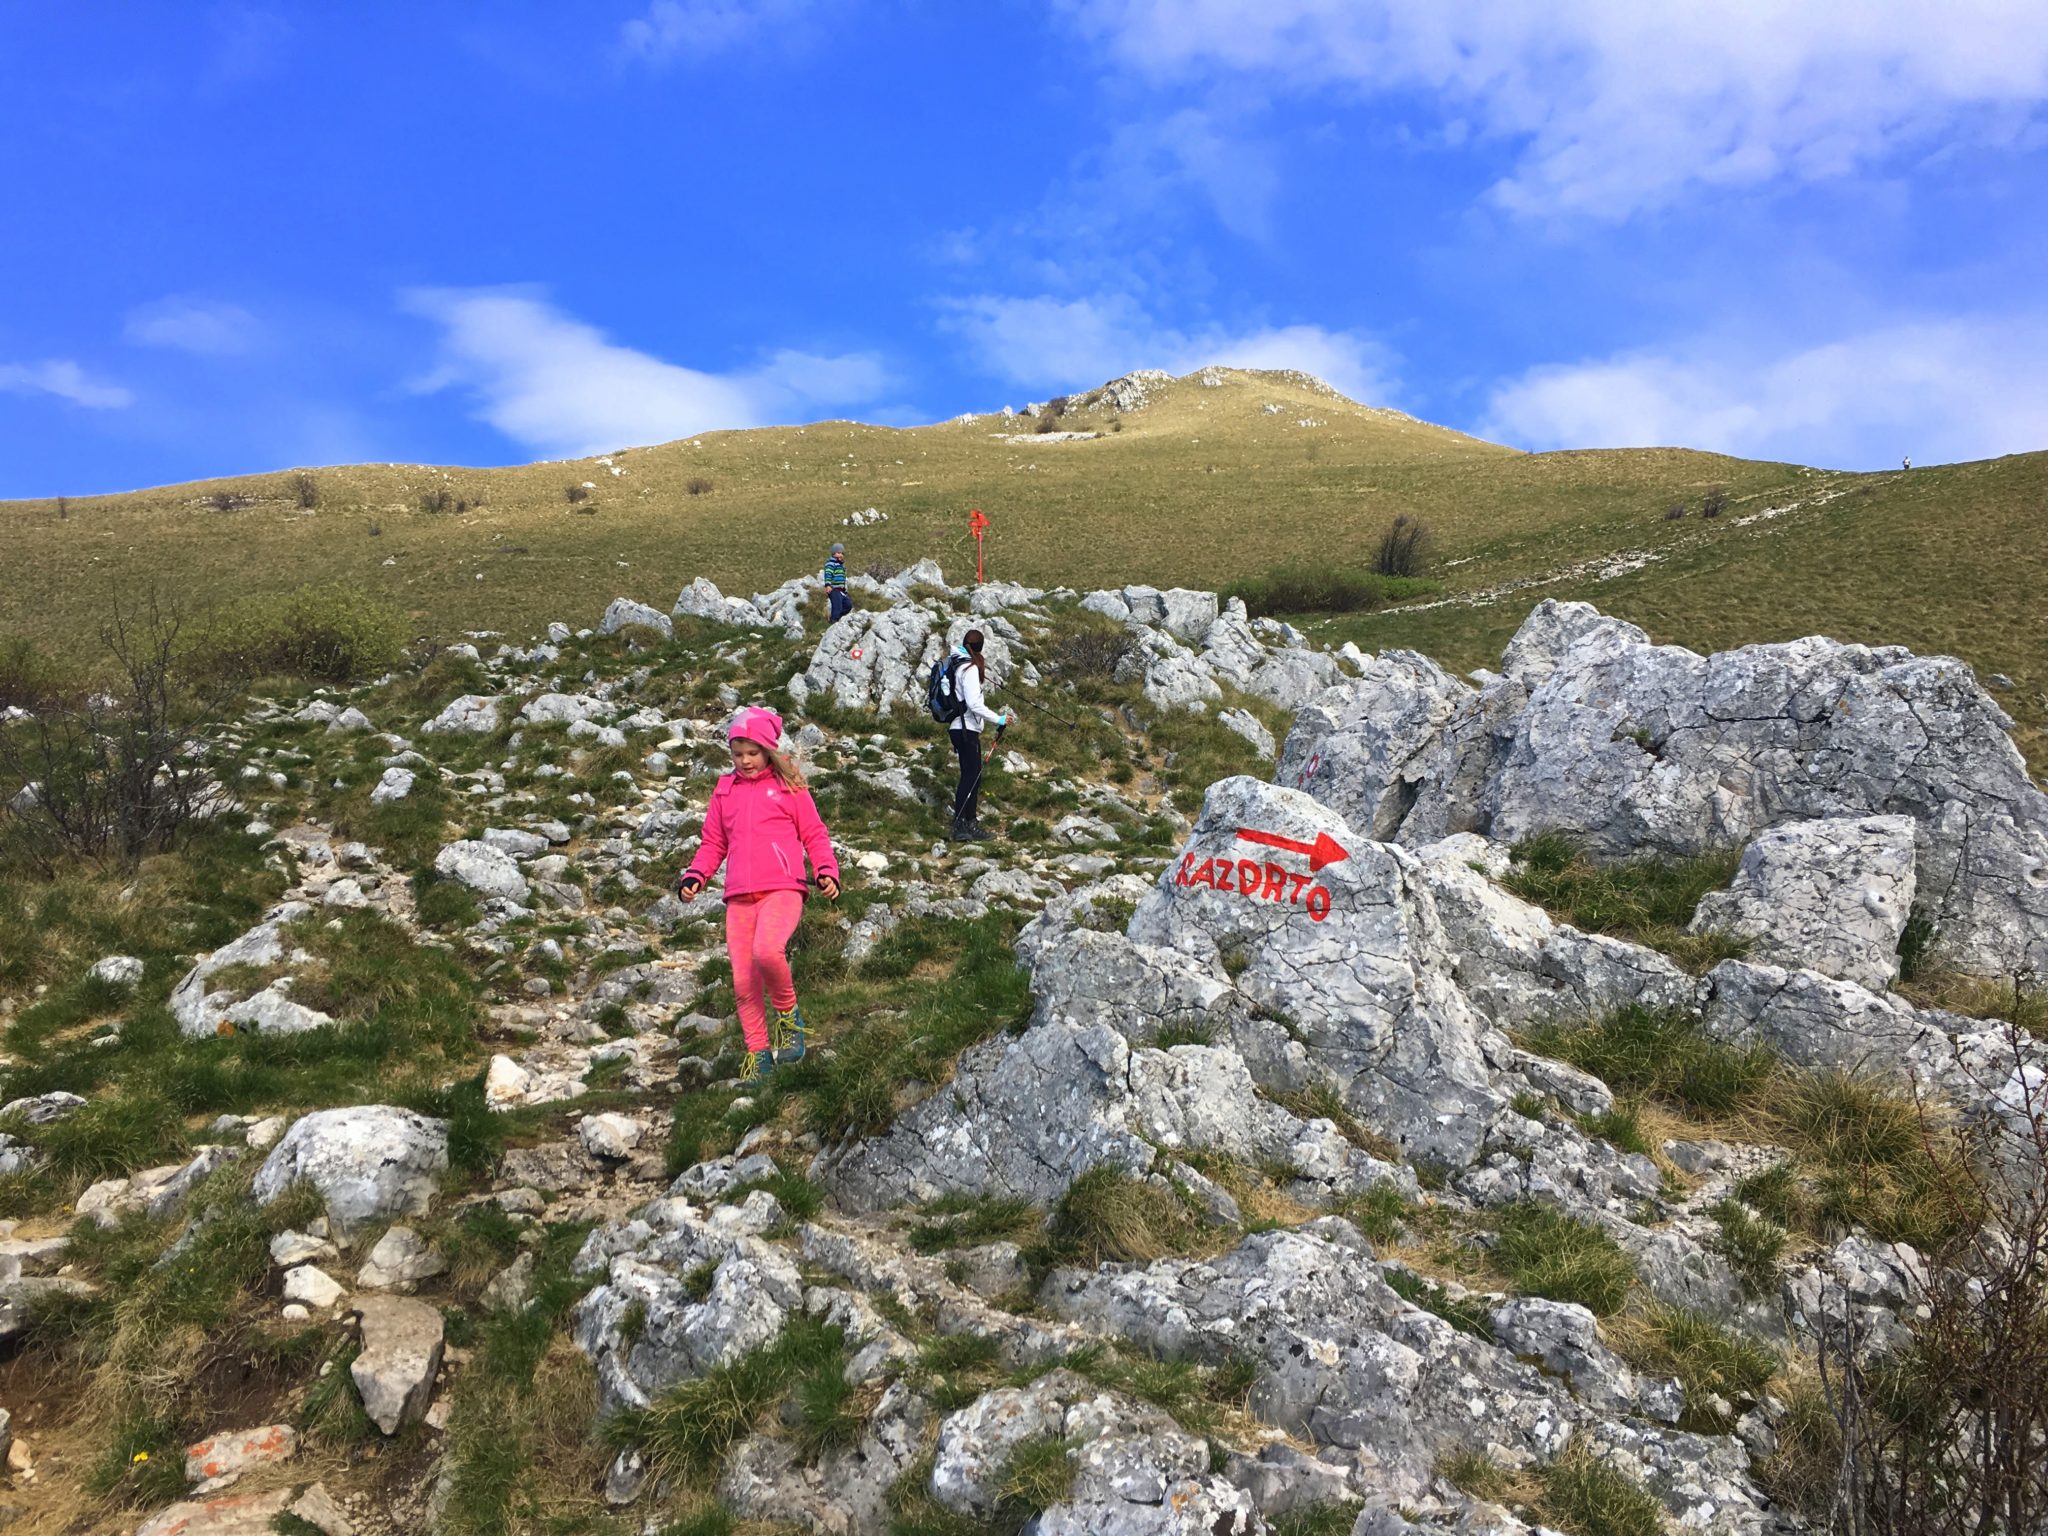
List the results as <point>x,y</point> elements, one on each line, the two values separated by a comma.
<point>576,494</point>
<point>226,501</point>
<point>63,509</point>
<point>883,570</point>
<point>1946,1436</point>
<point>1404,548</point>
<point>305,491</point>
<point>30,679</point>
<point>1674,512</point>
<point>697,485</point>
<point>1092,652</point>
<point>1714,503</point>
<point>439,499</point>
<point>121,772</point>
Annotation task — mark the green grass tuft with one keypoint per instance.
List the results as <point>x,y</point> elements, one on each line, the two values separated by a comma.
<point>1584,1497</point>
<point>1110,1216</point>
<point>1550,1254</point>
<point>1662,1054</point>
<point>1649,900</point>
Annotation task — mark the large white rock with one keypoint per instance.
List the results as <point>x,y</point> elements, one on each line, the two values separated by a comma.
<point>400,1261</point>
<point>1632,747</point>
<point>702,600</point>
<point>200,1012</point>
<point>564,709</point>
<point>394,1373</point>
<point>370,1163</point>
<point>117,970</point>
<point>871,659</point>
<point>1344,943</point>
<point>486,870</point>
<point>1831,896</point>
<point>1359,746</point>
<point>624,611</point>
<point>394,784</point>
<point>474,714</point>
<point>679,1331</point>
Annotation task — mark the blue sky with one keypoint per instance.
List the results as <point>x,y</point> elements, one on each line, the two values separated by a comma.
<point>248,237</point>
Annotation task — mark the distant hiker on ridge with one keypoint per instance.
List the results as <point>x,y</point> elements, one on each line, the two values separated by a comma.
<point>761,823</point>
<point>835,585</point>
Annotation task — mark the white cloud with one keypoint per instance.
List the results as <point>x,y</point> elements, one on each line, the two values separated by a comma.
<point>561,388</point>
<point>67,381</point>
<point>674,29</point>
<point>1070,344</point>
<point>1617,105</point>
<point>199,326</point>
<point>1939,390</point>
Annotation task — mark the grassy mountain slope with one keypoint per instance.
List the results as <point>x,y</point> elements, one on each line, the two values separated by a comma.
<point>1215,476</point>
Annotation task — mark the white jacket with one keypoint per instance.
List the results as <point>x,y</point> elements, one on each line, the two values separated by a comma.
<point>967,679</point>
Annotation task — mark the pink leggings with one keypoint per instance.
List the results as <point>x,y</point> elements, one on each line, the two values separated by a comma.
<point>757,930</point>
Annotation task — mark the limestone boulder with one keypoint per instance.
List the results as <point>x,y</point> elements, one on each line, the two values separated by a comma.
<point>370,1163</point>
<point>473,714</point>
<point>1831,895</point>
<point>486,870</point>
<point>624,612</point>
<point>1337,935</point>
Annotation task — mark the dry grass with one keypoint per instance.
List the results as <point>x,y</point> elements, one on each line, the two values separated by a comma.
<point>1943,559</point>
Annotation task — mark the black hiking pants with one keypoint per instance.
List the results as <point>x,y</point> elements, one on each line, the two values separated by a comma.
<point>967,794</point>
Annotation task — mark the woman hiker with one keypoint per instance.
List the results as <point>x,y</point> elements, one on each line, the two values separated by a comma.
<point>970,676</point>
<point>761,823</point>
<point>836,596</point>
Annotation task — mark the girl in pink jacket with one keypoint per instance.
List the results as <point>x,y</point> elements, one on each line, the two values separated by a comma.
<point>760,824</point>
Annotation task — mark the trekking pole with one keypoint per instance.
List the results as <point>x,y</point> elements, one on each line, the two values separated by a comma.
<point>1059,719</point>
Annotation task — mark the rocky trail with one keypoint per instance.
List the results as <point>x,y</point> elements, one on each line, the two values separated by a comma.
<point>1270,1132</point>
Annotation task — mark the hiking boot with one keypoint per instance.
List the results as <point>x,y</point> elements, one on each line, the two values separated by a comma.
<point>759,1065</point>
<point>968,832</point>
<point>786,1033</point>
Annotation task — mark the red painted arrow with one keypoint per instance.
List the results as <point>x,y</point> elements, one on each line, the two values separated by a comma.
<point>1324,850</point>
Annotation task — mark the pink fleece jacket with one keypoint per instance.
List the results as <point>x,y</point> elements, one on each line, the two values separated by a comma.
<point>760,829</point>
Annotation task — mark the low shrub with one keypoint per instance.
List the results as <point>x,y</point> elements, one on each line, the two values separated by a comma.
<point>697,485</point>
<point>336,634</point>
<point>125,770</point>
<point>1404,548</point>
<point>1324,589</point>
<point>686,1432</point>
<point>1038,1474</point>
<point>964,1222</point>
<point>31,680</point>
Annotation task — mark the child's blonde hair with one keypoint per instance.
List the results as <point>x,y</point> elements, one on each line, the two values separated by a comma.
<point>786,767</point>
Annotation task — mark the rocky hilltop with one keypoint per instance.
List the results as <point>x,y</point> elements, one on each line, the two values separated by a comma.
<point>1352,1099</point>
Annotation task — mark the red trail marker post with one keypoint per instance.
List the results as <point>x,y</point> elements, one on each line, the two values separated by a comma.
<point>978,525</point>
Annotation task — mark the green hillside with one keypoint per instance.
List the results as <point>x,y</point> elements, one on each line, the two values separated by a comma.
<point>1213,477</point>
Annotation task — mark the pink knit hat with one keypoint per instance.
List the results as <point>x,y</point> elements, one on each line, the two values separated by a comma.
<point>761,726</point>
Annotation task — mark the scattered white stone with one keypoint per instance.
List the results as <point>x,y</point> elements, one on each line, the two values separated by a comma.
<point>394,1373</point>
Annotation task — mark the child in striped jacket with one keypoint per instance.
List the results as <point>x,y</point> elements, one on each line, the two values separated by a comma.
<point>835,584</point>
